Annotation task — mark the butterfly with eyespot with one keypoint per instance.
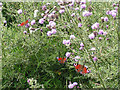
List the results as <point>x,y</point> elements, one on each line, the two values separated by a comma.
<point>62,60</point>
<point>81,68</point>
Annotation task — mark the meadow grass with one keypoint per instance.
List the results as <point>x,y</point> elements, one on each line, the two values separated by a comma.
<point>27,56</point>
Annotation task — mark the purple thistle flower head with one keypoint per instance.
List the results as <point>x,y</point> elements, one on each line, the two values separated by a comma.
<point>116,8</point>
<point>25,32</point>
<point>100,32</point>
<point>83,6</point>
<point>118,5</point>
<point>108,12</point>
<point>95,33</point>
<point>68,54</point>
<point>72,37</point>
<point>114,14</point>
<point>49,33</point>
<point>79,24</point>
<point>53,31</point>
<point>44,8</point>
<point>41,30</point>
<point>71,5</point>
<point>106,19</point>
<point>18,24</point>
<point>68,41</point>
<point>19,11</point>
<point>27,25</point>
<point>100,38</point>
<point>76,58</point>
<point>73,14</point>
<point>106,26</point>
<point>95,26</point>
<point>61,11</point>
<point>52,23</point>
<point>41,21</point>
<point>83,1</point>
<point>86,13</point>
<point>5,21</point>
<point>105,33</point>
<point>81,44</point>
<point>107,38</point>
<point>0,4</point>
<point>64,42</point>
<point>70,86</point>
<point>91,36</point>
<point>95,58</point>
<point>77,8</point>
<point>114,4</point>
<point>81,48</point>
<point>75,83</point>
<point>28,81</point>
<point>32,22</point>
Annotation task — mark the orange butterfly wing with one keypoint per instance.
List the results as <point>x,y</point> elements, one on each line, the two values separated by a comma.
<point>84,71</point>
<point>81,68</point>
<point>23,23</point>
<point>78,68</point>
<point>62,60</point>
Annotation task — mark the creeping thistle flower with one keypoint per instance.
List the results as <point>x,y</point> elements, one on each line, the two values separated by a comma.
<point>81,44</point>
<point>61,11</point>
<point>86,13</point>
<point>32,22</point>
<point>53,31</point>
<point>100,32</point>
<point>92,36</point>
<point>83,6</point>
<point>72,37</point>
<point>73,14</point>
<point>95,26</point>
<point>70,86</point>
<point>106,26</point>
<point>77,8</point>
<point>19,11</point>
<point>81,48</point>
<point>41,21</point>
<point>79,24</point>
<point>105,33</point>
<point>95,58</point>
<point>52,23</point>
<point>25,32</point>
<point>100,38</point>
<point>106,19</point>
<point>68,54</point>
<point>0,4</point>
<point>49,33</point>
<point>44,8</point>
<point>75,83</point>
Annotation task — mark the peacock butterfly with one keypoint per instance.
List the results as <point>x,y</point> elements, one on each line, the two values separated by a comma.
<point>81,68</point>
<point>62,60</point>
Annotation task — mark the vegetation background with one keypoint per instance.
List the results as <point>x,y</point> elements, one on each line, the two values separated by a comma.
<point>34,55</point>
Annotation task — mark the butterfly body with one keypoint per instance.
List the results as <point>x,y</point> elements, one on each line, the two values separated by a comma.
<point>62,60</point>
<point>81,68</point>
